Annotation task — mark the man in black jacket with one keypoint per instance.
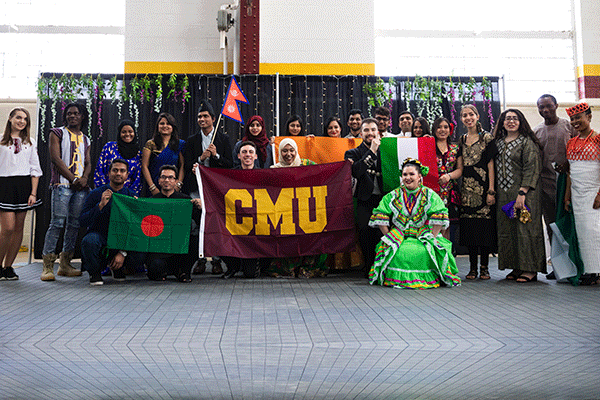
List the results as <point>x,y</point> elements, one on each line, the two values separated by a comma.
<point>202,148</point>
<point>366,169</point>
<point>160,265</point>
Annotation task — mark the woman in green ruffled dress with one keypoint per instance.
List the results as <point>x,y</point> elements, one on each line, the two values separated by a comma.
<point>412,253</point>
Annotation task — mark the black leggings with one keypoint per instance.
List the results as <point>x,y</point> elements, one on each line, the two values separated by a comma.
<point>482,251</point>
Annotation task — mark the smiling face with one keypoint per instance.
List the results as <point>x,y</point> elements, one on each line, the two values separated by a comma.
<point>167,180</point>
<point>74,118</point>
<point>294,128</point>
<point>368,132</point>
<point>354,122</point>
<point>469,118</point>
<point>581,122</point>
<point>18,121</point>
<point>405,122</point>
<point>443,131</point>
<point>288,154</point>
<point>117,175</point>
<point>255,128</point>
<point>417,129</point>
<point>511,122</point>
<point>247,155</point>
<point>164,128</point>
<point>205,121</point>
<point>411,177</point>
<point>383,122</point>
<point>334,129</point>
<point>127,134</point>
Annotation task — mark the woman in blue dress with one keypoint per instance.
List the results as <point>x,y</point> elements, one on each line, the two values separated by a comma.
<point>164,148</point>
<point>126,147</point>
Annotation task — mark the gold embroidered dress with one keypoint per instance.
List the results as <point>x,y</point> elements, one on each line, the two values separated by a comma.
<point>408,256</point>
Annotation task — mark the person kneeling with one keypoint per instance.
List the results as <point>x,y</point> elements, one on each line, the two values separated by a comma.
<point>95,215</point>
<point>161,265</point>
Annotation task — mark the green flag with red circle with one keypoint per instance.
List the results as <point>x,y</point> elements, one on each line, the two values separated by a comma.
<point>149,225</point>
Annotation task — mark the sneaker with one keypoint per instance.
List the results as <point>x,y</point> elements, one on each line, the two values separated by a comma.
<point>8,273</point>
<point>118,274</point>
<point>96,280</point>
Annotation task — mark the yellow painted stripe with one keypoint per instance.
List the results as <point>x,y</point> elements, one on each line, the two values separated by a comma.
<point>317,69</point>
<point>168,67</point>
<point>588,70</point>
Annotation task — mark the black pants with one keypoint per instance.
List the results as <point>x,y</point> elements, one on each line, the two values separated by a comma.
<point>161,265</point>
<point>367,237</point>
<point>251,267</point>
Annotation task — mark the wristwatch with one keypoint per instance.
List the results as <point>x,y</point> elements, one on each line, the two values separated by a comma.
<point>123,253</point>
<point>491,192</point>
<point>522,193</point>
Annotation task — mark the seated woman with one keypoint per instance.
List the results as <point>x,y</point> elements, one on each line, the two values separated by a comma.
<point>304,266</point>
<point>126,148</point>
<point>412,253</point>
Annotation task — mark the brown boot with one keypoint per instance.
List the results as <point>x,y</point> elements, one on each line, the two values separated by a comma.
<point>48,268</point>
<point>64,266</point>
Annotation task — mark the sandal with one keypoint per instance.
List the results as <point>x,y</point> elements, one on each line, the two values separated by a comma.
<point>485,273</point>
<point>523,278</point>
<point>513,275</point>
<point>472,273</point>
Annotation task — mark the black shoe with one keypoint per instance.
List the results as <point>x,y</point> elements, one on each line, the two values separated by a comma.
<point>200,267</point>
<point>8,274</point>
<point>551,275</point>
<point>118,274</point>
<point>96,280</point>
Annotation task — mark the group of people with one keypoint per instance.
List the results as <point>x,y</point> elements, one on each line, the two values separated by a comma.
<point>494,187</point>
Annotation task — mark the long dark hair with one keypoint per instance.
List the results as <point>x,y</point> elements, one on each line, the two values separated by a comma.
<point>424,126</point>
<point>24,134</point>
<point>436,124</point>
<point>174,141</point>
<point>294,118</point>
<point>474,109</point>
<point>524,127</point>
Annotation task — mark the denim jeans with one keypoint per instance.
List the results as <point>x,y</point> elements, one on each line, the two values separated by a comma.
<point>65,205</point>
<point>94,257</point>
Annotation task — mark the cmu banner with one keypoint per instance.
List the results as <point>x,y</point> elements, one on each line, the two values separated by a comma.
<point>319,149</point>
<point>283,212</point>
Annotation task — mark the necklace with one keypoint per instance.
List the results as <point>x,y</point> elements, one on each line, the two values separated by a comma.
<point>578,148</point>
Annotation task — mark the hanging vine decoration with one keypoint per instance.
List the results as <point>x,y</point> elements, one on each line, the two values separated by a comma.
<point>486,92</point>
<point>451,98</point>
<point>114,95</point>
<point>134,93</point>
<point>159,93</point>
<point>99,94</point>
<point>69,90</point>
<point>407,94</point>
<point>172,85</point>
<point>54,95</point>
<point>42,93</point>
<point>437,97</point>
<point>87,83</point>
<point>379,94</point>
<point>185,94</point>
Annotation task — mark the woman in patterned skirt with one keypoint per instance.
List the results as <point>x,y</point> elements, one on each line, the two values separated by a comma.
<point>518,167</point>
<point>583,189</point>
<point>477,219</point>
<point>19,176</point>
<point>412,253</point>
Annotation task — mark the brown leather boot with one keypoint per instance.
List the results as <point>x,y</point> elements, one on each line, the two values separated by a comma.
<point>48,268</point>
<point>64,266</point>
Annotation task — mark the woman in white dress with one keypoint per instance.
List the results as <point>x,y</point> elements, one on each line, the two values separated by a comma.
<point>583,189</point>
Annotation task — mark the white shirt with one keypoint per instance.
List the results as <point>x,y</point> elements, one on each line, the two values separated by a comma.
<point>24,163</point>
<point>206,140</point>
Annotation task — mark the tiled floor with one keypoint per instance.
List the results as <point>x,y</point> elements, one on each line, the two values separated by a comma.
<point>330,338</point>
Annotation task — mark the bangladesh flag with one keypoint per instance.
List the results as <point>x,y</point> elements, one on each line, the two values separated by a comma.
<point>149,225</point>
<point>394,150</point>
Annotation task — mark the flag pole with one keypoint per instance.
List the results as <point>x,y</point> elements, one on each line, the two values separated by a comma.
<point>216,127</point>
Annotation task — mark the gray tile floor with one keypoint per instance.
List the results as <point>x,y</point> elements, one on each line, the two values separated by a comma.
<point>329,338</point>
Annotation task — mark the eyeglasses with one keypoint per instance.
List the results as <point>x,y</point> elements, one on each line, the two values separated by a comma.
<point>167,178</point>
<point>512,119</point>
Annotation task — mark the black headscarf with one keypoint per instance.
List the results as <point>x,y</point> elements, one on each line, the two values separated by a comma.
<point>127,150</point>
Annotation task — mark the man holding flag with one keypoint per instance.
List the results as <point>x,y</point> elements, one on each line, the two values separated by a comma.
<point>211,150</point>
<point>95,215</point>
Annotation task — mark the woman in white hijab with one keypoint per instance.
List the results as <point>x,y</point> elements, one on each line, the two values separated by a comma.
<point>288,155</point>
<point>304,266</point>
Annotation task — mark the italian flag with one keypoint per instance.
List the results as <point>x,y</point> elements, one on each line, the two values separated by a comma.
<point>394,150</point>
<point>149,225</point>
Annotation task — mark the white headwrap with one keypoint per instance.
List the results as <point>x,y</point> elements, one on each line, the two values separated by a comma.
<point>297,161</point>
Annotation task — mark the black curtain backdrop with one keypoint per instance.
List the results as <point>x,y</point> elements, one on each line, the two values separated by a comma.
<point>313,98</point>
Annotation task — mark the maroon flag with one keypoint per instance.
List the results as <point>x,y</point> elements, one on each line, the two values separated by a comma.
<point>283,212</point>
